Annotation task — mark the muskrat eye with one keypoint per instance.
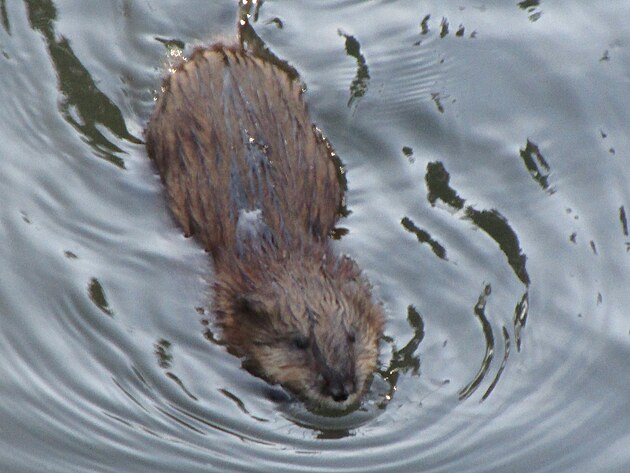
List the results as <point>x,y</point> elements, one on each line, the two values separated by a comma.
<point>352,336</point>
<point>300,342</point>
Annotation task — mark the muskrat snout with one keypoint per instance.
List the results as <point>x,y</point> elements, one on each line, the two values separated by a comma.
<point>337,387</point>
<point>309,325</point>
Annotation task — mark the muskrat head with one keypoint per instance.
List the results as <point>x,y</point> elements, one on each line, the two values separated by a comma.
<point>310,326</point>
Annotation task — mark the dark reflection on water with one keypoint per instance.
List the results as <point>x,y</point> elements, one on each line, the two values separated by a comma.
<point>406,360</point>
<point>249,38</point>
<point>531,6</point>
<point>4,16</point>
<point>424,237</point>
<point>164,353</point>
<point>506,354</point>
<point>520,319</point>
<point>536,165</point>
<point>444,29</point>
<point>498,228</point>
<point>490,221</point>
<point>359,86</point>
<point>624,220</point>
<point>480,309</point>
<point>97,295</point>
<point>83,105</point>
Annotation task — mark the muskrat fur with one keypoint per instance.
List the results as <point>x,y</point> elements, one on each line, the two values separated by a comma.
<point>249,175</point>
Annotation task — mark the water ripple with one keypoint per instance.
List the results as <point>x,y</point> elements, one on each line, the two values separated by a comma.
<point>485,150</point>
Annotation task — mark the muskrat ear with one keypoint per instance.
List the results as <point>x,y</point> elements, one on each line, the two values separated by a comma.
<point>244,304</point>
<point>249,307</point>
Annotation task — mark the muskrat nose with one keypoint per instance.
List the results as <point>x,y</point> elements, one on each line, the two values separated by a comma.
<point>339,393</point>
<point>336,388</point>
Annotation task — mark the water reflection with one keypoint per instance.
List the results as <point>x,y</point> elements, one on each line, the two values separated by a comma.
<point>443,30</point>
<point>498,228</point>
<point>424,25</point>
<point>176,379</point>
<point>436,97</point>
<point>532,8</point>
<point>164,354</point>
<point>444,27</point>
<point>536,165</point>
<point>491,222</point>
<point>84,390</point>
<point>424,237</point>
<point>624,224</point>
<point>480,313</point>
<point>520,318</point>
<point>506,355</point>
<point>163,351</point>
<point>251,40</point>
<point>96,293</point>
<point>83,105</point>
<point>359,86</point>
<point>405,360</point>
<point>4,17</point>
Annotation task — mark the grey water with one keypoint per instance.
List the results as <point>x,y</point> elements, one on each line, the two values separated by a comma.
<point>486,151</point>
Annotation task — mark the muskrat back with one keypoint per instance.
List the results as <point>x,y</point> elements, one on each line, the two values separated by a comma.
<point>249,175</point>
<point>232,135</point>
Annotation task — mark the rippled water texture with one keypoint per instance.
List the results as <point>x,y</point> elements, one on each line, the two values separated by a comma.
<point>487,161</point>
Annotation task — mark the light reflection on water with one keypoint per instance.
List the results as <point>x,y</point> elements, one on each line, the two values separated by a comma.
<point>486,155</point>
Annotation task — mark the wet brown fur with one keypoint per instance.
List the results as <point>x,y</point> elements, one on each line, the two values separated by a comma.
<point>248,174</point>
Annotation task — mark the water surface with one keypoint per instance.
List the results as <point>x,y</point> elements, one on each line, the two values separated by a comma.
<point>487,158</point>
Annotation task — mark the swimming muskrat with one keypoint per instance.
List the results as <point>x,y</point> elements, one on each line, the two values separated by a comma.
<point>250,177</point>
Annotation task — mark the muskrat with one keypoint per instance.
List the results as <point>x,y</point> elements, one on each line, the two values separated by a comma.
<point>250,176</point>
